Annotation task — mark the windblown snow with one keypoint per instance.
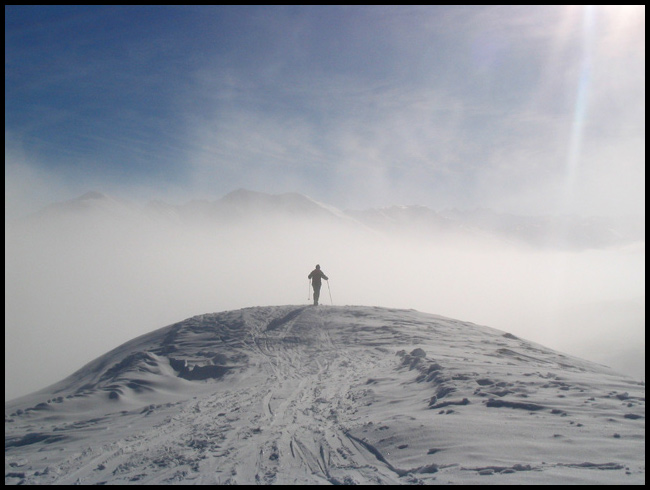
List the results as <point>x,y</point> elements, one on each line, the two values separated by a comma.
<point>341,395</point>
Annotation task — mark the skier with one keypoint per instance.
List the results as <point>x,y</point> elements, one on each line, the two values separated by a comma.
<point>316,275</point>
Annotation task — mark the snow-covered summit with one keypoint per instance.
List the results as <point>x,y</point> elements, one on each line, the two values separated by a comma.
<point>245,204</point>
<point>89,207</point>
<point>305,395</point>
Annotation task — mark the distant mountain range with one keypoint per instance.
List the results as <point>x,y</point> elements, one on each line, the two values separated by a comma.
<point>249,207</point>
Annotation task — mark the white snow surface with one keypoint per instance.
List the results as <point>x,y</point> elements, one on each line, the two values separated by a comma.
<point>330,394</point>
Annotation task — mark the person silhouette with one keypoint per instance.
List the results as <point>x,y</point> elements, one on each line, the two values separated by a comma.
<point>316,275</point>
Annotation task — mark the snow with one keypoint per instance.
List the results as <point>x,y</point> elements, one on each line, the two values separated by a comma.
<point>330,394</point>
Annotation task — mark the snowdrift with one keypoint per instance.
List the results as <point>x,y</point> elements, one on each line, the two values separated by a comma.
<point>341,395</point>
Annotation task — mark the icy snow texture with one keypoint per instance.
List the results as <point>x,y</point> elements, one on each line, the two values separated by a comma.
<point>308,395</point>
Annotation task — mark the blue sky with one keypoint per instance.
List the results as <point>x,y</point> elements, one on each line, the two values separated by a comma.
<point>521,109</point>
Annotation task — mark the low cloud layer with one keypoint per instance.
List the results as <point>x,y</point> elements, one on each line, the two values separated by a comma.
<point>80,281</point>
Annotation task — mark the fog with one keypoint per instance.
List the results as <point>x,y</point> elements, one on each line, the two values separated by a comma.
<point>80,283</point>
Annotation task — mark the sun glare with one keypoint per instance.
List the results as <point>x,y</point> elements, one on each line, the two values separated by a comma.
<point>621,20</point>
<point>624,11</point>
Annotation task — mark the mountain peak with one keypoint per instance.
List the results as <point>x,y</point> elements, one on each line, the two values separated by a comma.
<point>91,195</point>
<point>243,203</point>
<point>248,196</point>
<point>243,195</point>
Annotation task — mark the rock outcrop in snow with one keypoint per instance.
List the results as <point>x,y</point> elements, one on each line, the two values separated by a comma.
<point>305,395</point>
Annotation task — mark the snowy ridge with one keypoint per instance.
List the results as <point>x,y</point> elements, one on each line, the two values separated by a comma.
<point>307,395</point>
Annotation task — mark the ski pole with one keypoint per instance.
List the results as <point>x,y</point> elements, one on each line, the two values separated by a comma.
<point>308,291</point>
<point>329,291</point>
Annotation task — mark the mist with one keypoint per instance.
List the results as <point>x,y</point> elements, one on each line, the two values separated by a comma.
<point>81,282</point>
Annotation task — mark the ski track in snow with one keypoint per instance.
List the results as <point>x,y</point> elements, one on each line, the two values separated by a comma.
<point>341,395</point>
